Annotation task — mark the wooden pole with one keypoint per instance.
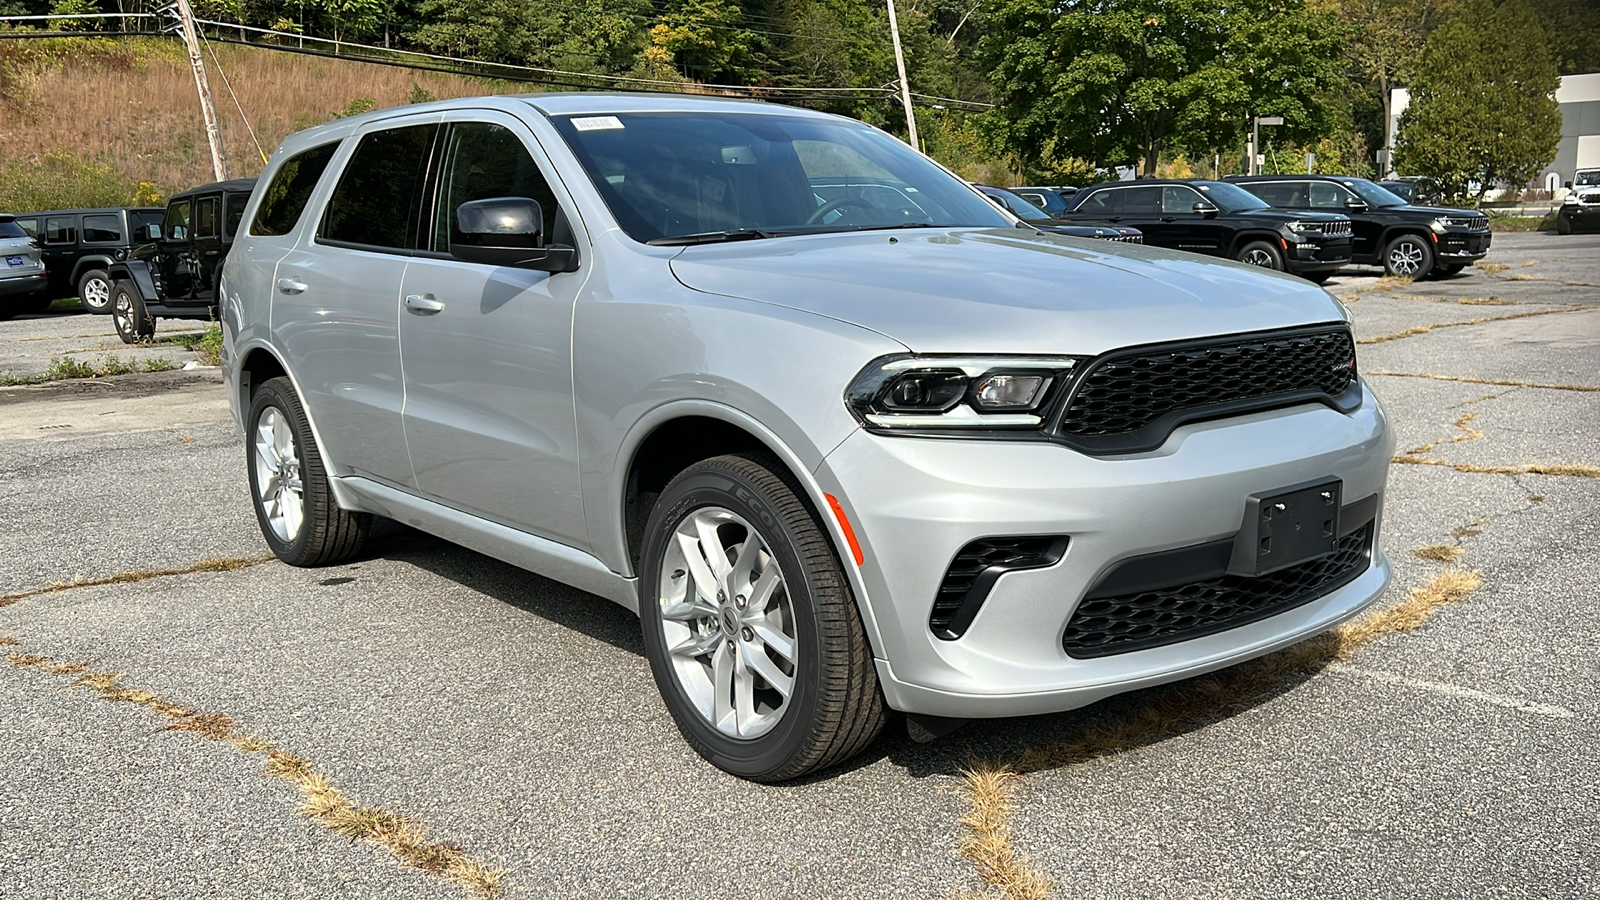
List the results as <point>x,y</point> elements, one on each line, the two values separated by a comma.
<point>219,162</point>
<point>905,86</point>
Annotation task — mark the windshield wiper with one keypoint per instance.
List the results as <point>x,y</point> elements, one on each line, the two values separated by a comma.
<point>711,237</point>
<point>894,227</point>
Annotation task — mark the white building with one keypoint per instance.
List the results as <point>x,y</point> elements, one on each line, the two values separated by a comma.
<point>1579,100</point>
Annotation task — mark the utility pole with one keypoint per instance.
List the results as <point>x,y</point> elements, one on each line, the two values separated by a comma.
<point>905,86</point>
<point>219,163</point>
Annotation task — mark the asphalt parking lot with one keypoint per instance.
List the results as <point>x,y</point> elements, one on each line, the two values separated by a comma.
<point>515,719</point>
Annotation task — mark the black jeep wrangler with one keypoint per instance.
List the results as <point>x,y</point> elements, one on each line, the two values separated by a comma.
<point>81,245</point>
<point>175,275</point>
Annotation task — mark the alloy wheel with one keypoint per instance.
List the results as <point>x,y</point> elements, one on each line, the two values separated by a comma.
<point>1258,258</point>
<point>96,293</point>
<point>728,623</point>
<point>1405,259</point>
<point>278,485</point>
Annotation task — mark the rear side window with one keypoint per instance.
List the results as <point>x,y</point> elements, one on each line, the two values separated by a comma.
<point>380,193</point>
<point>205,217</point>
<point>1283,193</point>
<point>60,230</point>
<point>285,198</point>
<point>1141,200</point>
<point>102,229</point>
<point>142,218</point>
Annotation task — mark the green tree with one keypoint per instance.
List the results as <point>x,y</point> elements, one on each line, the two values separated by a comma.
<point>1573,27</point>
<point>1482,105</point>
<point>703,39</point>
<point>1385,42</point>
<point>1117,81</point>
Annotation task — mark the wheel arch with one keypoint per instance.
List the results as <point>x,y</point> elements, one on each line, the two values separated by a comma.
<point>1250,237</point>
<point>138,272</point>
<point>95,261</point>
<point>257,362</point>
<point>1404,228</point>
<point>705,430</point>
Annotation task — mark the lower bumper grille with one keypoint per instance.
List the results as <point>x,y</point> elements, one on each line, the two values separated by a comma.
<point>1107,626</point>
<point>974,571</point>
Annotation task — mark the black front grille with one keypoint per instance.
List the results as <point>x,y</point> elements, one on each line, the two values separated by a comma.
<point>1333,229</point>
<point>1107,626</point>
<point>974,571</point>
<point>1123,392</point>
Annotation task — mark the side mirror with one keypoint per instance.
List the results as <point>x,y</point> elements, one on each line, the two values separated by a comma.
<point>1568,185</point>
<point>1204,208</point>
<point>507,231</point>
<point>148,232</point>
<point>1355,204</point>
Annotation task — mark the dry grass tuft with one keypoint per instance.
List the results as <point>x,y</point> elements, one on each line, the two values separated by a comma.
<point>1536,498</point>
<point>1443,553</point>
<point>69,668</point>
<point>1468,433</point>
<point>1424,329</point>
<point>988,844</point>
<point>1488,301</point>
<point>7,640</point>
<point>1448,587</point>
<point>204,565</point>
<point>1491,381</point>
<point>28,659</point>
<point>287,765</point>
<point>1491,268</point>
<point>1390,283</point>
<point>211,726</point>
<point>1529,264</point>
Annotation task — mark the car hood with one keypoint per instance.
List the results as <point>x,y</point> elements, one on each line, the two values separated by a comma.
<point>1438,210</point>
<point>1005,290</point>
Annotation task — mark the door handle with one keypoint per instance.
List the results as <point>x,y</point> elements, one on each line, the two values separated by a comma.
<point>1115,219</point>
<point>1166,218</point>
<point>290,286</point>
<point>423,303</point>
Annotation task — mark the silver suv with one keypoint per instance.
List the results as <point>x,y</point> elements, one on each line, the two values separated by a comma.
<point>847,437</point>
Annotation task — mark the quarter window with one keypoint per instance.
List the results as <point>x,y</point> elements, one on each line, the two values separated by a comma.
<point>286,196</point>
<point>379,196</point>
<point>60,230</point>
<point>102,229</point>
<point>484,160</point>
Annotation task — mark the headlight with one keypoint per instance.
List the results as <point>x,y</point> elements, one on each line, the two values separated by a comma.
<point>939,393</point>
<point>1570,200</point>
<point>1306,227</point>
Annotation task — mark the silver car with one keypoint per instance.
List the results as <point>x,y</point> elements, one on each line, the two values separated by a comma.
<point>842,456</point>
<point>22,274</point>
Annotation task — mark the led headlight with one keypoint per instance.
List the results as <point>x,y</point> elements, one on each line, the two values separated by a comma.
<point>1570,200</point>
<point>955,392</point>
<point>1299,227</point>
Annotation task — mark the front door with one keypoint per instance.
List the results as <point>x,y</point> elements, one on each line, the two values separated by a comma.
<point>487,350</point>
<point>207,247</point>
<point>177,252</point>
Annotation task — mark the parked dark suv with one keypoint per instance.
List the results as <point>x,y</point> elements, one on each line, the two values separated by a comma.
<point>1220,219</point>
<point>81,245</point>
<point>175,274</point>
<point>1408,241</point>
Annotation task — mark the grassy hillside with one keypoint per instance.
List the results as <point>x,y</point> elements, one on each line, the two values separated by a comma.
<point>87,122</point>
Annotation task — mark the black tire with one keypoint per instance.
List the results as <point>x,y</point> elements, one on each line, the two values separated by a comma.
<point>325,534</point>
<point>1408,256</point>
<point>1563,225</point>
<point>10,308</point>
<point>134,323</point>
<point>38,303</point>
<point>94,291</point>
<point>1261,253</point>
<point>1317,277</point>
<point>1450,270</point>
<point>835,708</point>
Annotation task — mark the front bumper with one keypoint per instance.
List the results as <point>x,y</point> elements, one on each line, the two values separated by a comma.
<point>916,502</point>
<point>1311,256</point>
<point>1462,246</point>
<point>1580,217</point>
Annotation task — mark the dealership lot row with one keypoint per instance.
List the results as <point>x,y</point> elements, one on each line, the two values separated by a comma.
<point>517,719</point>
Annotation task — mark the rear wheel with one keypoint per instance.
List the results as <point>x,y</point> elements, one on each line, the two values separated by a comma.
<point>94,291</point>
<point>1261,253</point>
<point>750,625</point>
<point>289,484</point>
<point>1408,256</point>
<point>134,323</point>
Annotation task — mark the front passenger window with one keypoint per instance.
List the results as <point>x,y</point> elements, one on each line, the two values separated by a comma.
<point>1327,196</point>
<point>483,160</point>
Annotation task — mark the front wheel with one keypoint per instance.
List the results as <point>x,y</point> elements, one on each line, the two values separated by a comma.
<point>1408,256</point>
<point>293,501</point>
<point>134,323</point>
<point>1563,225</point>
<point>94,291</point>
<point>750,625</point>
<point>1261,253</point>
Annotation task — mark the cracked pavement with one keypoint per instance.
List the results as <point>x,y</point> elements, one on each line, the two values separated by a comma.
<point>517,718</point>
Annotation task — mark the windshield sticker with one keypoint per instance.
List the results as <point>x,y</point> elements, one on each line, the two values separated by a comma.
<point>714,189</point>
<point>597,123</point>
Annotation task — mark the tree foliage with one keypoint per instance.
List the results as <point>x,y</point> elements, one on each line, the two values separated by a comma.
<point>1116,81</point>
<point>1482,104</point>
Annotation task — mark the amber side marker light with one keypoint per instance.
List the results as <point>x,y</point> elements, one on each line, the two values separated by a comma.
<point>844,522</point>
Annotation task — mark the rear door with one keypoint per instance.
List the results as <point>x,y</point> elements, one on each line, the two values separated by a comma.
<point>1366,229</point>
<point>336,298</point>
<point>488,350</point>
<point>58,239</point>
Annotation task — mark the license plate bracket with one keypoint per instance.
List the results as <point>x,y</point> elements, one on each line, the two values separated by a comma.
<point>1288,526</point>
<point>13,260</point>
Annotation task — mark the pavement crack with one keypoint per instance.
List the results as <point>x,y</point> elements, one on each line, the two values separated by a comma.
<point>1424,329</point>
<point>221,564</point>
<point>1489,381</point>
<point>403,837</point>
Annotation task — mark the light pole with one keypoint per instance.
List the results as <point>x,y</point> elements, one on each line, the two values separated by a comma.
<point>1255,140</point>
<point>905,86</point>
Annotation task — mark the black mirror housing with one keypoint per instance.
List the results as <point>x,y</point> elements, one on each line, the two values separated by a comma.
<point>1355,203</point>
<point>149,232</point>
<point>1204,208</point>
<point>507,231</point>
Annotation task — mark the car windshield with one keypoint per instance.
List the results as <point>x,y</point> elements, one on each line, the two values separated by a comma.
<point>1019,207</point>
<point>1230,197</point>
<point>1587,179</point>
<point>674,177</point>
<point>1375,195</point>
